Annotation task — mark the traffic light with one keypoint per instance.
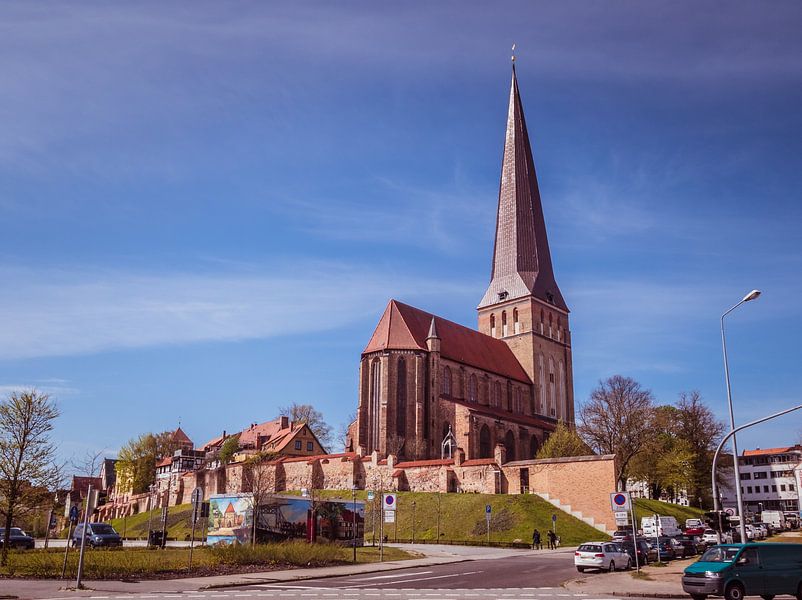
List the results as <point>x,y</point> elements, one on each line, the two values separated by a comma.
<point>718,520</point>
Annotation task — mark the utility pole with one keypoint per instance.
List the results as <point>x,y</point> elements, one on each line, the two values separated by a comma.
<point>89,508</point>
<point>353,524</point>
<point>413,521</point>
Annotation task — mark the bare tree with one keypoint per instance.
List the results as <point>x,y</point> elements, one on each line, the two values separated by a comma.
<point>259,478</point>
<point>343,431</point>
<point>89,464</point>
<point>306,413</point>
<point>28,471</point>
<point>616,420</point>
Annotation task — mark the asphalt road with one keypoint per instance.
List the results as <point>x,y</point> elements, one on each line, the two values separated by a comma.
<point>501,573</point>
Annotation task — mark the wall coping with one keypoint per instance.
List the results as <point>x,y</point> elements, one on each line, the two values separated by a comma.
<point>565,459</point>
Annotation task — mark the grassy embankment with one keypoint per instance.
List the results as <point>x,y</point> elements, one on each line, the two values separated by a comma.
<point>179,525</point>
<point>648,508</point>
<point>462,518</point>
<point>142,563</point>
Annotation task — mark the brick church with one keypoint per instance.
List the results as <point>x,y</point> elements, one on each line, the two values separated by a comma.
<point>428,386</point>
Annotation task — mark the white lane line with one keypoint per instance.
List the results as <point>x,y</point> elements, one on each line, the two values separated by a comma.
<point>392,576</point>
<point>405,581</point>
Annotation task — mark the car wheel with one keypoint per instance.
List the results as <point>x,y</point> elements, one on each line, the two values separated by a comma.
<point>611,568</point>
<point>734,591</point>
<point>629,564</point>
<point>698,596</point>
<point>581,569</point>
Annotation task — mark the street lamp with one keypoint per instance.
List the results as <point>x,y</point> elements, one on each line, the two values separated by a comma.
<point>753,295</point>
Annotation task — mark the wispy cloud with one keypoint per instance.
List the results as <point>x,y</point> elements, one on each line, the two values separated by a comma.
<point>72,312</point>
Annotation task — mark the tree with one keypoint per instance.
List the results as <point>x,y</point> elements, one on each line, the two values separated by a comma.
<point>616,420</point>
<point>701,431</point>
<point>228,449</point>
<point>343,431</point>
<point>28,470</point>
<point>136,464</point>
<point>563,441</point>
<point>258,478</point>
<point>89,465</point>
<point>306,413</point>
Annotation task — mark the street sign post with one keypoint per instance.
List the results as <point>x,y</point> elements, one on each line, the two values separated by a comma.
<point>488,513</point>
<point>90,495</point>
<point>390,502</point>
<point>197,505</point>
<point>621,503</point>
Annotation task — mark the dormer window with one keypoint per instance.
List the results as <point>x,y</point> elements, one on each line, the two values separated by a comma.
<point>502,296</point>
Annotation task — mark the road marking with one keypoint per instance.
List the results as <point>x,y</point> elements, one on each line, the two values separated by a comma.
<point>391,576</point>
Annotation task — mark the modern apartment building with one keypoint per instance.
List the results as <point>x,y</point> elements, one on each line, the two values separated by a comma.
<point>771,478</point>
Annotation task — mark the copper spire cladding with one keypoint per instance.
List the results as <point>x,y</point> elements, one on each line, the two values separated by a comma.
<point>521,258</point>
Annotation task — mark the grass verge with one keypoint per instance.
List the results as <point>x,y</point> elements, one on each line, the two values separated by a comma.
<point>647,508</point>
<point>141,563</point>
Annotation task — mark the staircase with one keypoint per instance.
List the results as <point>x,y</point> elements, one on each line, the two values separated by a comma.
<point>575,513</point>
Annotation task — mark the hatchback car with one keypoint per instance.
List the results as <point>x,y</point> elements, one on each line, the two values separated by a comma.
<point>17,539</point>
<point>646,554</point>
<point>605,556</point>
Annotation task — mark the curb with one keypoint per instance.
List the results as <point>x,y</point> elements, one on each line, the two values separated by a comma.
<point>214,586</point>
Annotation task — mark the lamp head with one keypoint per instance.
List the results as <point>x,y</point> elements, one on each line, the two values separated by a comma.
<point>753,295</point>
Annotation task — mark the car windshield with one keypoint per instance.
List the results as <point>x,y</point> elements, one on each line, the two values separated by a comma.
<point>719,554</point>
<point>590,548</point>
<point>14,531</point>
<point>102,529</point>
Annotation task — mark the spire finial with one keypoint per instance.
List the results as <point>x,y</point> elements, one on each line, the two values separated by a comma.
<point>513,54</point>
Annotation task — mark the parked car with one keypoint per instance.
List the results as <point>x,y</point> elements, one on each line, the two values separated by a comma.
<point>622,534</point>
<point>692,545</point>
<point>665,548</point>
<point>774,518</point>
<point>646,554</point>
<point>17,539</point>
<point>710,537</point>
<point>738,570</point>
<point>605,556</point>
<point>98,535</point>
<point>694,527</point>
<point>764,528</point>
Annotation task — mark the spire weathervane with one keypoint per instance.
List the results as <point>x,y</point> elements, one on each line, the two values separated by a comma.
<point>513,54</point>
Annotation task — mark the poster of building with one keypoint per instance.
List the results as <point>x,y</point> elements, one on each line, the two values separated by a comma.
<point>230,519</point>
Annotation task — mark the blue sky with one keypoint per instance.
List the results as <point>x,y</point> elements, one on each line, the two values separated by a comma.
<point>206,206</point>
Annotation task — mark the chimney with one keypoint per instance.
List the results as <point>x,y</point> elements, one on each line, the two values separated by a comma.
<point>284,422</point>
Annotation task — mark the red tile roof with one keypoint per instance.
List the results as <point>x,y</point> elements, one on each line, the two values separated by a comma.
<point>182,438</point>
<point>404,327</point>
<point>478,462</point>
<point>164,462</point>
<point>769,451</point>
<point>436,462</point>
<point>505,415</point>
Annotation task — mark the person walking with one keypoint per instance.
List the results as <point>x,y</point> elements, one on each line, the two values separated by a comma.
<point>536,545</point>
<point>552,540</point>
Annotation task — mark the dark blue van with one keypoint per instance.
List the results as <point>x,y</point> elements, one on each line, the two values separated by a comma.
<point>738,570</point>
<point>98,535</point>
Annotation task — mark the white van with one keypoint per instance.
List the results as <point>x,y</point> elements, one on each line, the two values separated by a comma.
<point>775,518</point>
<point>666,526</point>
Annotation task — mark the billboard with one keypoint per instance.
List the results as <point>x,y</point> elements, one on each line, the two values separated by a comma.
<point>283,517</point>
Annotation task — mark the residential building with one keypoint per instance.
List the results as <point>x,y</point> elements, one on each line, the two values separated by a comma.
<point>770,478</point>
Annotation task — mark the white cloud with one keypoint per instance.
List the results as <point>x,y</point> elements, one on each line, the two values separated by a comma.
<point>69,312</point>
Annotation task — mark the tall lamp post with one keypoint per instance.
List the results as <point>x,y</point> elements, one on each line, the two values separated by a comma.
<point>753,295</point>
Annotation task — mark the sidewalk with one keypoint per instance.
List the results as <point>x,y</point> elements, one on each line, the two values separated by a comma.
<point>656,582</point>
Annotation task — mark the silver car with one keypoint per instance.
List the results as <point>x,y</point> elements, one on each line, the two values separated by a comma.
<point>605,556</point>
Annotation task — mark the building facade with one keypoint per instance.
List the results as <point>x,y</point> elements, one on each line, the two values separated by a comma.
<point>770,478</point>
<point>428,386</point>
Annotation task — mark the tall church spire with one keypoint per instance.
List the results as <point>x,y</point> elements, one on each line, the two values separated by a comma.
<point>521,257</point>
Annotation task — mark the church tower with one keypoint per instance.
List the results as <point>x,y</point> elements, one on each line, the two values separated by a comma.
<point>523,305</point>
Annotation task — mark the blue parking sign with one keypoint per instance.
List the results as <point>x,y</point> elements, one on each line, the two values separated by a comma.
<point>488,510</point>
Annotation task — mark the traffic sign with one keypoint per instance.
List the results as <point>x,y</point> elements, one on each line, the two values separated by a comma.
<point>371,495</point>
<point>197,496</point>
<point>488,509</point>
<point>74,513</point>
<point>553,518</point>
<point>619,501</point>
<point>622,518</point>
<point>390,502</point>
<point>389,516</point>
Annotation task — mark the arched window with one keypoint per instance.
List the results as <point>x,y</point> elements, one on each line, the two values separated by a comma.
<point>496,401</point>
<point>516,399</point>
<point>563,406</point>
<point>401,398</point>
<point>534,446</point>
<point>509,444</point>
<point>504,323</point>
<point>485,447</point>
<point>449,443</point>
<point>541,384</point>
<point>472,388</point>
<point>550,325</point>
<point>552,391</point>
<point>447,381</point>
<point>493,325</point>
<point>516,325</point>
<point>559,328</point>
<point>375,401</point>
<point>541,321</point>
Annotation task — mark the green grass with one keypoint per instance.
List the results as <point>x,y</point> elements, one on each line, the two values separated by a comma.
<point>179,524</point>
<point>647,508</point>
<point>462,518</point>
<point>141,562</point>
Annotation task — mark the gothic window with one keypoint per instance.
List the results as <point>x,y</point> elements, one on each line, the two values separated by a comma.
<point>472,388</point>
<point>561,389</point>
<point>375,401</point>
<point>541,321</point>
<point>496,402</point>
<point>552,392</point>
<point>515,323</point>
<point>534,446</point>
<point>509,444</point>
<point>516,400</point>
<point>504,323</point>
<point>401,398</point>
<point>449,443</point>
<point>485,449</point>
<point>550,325</point>
<point>541,383</point>
<point>447,381</point>
<point>559,328</point>
<point>493,325</point>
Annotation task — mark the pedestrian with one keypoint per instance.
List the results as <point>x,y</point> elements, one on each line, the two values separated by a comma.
<point>536,545</point>
<point>552,540</point>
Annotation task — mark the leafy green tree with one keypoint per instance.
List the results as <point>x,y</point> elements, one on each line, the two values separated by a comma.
<point>228,449</point>
<point>136,464</point>
<point>28,469</point>
<point>564,441</point>
<point>306,413</point>
<point>701,431</point>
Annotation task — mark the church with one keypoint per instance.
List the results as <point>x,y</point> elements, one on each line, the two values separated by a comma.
<point>429,386</point>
